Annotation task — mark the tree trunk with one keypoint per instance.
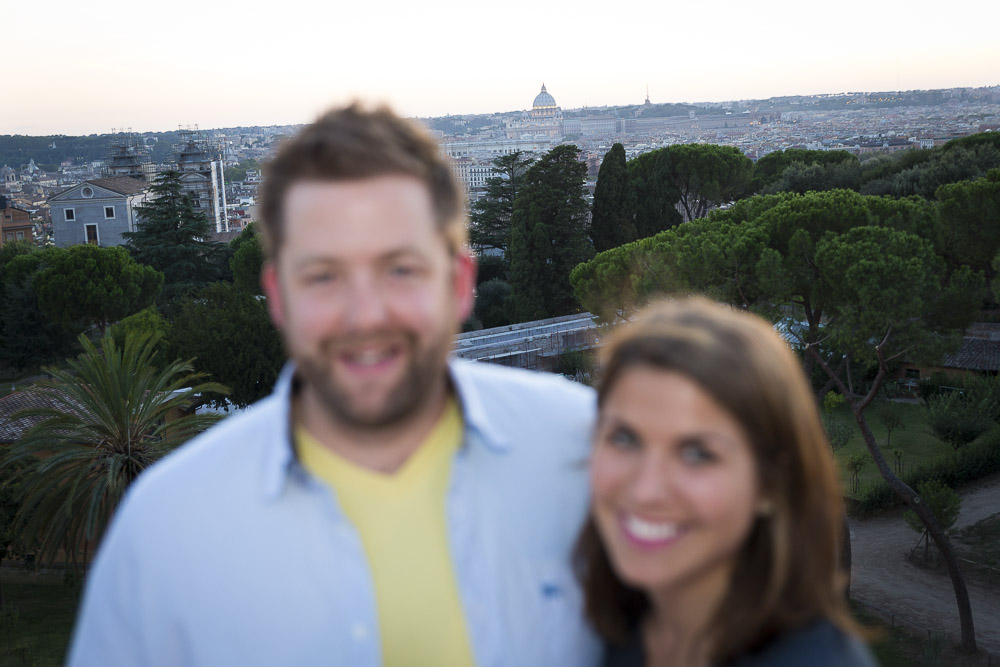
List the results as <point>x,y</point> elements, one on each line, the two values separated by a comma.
<point>910,497</point>
<point>940,538</point>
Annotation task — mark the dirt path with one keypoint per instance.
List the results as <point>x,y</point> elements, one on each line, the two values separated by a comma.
<point>882,576</point>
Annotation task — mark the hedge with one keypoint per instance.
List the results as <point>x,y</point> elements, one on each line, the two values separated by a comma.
<point>971,462</point>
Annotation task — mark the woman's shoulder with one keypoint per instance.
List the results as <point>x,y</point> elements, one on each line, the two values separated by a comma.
<point>818,644</point>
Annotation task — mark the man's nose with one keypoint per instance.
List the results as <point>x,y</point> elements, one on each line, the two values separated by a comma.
<point>366,307</point>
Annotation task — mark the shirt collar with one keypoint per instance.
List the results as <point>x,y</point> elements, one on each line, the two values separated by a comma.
<point>280,459</point>
<point>474,411</point>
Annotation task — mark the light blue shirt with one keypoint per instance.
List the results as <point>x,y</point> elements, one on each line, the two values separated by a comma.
<point>229,553</point>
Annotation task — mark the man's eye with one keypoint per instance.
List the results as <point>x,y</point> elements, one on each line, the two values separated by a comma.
<point>402,270</point>
<point>320,277</point>
<point>695,452</point>
<point>623,438</point>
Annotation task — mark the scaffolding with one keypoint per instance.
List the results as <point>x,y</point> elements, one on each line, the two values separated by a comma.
<point>199,161</point>
<point>129,156</point>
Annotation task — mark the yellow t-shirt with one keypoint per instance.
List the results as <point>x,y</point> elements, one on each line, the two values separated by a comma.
<point>401,521</point>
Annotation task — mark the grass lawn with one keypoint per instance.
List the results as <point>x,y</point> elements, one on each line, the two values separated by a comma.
<point>918,445</point>
<point>45,609</point>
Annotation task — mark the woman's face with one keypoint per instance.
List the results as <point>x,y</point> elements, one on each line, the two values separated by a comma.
<point>674,482</point>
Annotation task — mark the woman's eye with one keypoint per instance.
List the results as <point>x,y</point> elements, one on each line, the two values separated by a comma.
<point>623,438</point>
<point>695,452</point>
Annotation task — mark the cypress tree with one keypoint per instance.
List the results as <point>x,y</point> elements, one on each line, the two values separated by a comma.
<point>613,221</point>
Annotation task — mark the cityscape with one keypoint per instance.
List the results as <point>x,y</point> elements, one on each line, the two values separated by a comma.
<point>864,124</point>
<point>862,226</point>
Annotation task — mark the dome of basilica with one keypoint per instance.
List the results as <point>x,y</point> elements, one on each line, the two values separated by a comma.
<point>543,100</point>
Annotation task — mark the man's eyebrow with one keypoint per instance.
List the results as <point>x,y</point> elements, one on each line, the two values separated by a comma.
<point>388,256</point>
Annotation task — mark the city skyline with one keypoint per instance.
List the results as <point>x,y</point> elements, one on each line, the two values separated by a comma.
<point>111,64</point>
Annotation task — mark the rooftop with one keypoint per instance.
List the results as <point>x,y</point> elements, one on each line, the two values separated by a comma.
<point>125,185</point>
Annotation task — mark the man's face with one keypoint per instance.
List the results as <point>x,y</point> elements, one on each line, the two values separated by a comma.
<point>367,295</point>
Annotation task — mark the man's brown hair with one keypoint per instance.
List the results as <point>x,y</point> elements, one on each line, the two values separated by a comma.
<point>354,143</point>
<point>788,571</point>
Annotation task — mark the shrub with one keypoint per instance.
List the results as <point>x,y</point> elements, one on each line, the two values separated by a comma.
<point>974,461</point>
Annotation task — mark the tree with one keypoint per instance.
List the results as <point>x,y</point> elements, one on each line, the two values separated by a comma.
<point>549,236</point>
<point>958,419</point>
<point>943,503</point>
<point>851,278</point>
<point>87,285</point>
<point>172,237</point>
<point>839,430</point>
<point>490,217</point>
<point>881,290</point>
<point>147,321</point>
<point>612,222</point>
<point>654,193</point>
<point>491,303</point>
<point>10,503</point>
<point>12,249</point>
<point>770,169</point>
<point>707,175</point>
<point>889,414</point>
<point>247,260</point>
<point>230,336</point>
<point>970,234</point>
<point>108,418</point>
<point>28,338</point>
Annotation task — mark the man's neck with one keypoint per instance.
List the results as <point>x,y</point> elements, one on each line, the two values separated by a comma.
<point>381,449</point>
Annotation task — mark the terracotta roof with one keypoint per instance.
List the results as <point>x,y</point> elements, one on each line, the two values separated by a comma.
<point>125,185</point>
<point>975,354</point>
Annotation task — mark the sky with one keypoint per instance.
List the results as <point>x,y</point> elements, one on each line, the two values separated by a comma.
<point>76,67</point>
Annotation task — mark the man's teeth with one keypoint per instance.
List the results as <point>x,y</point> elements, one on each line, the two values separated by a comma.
<point>369,357</point>
<point>647,530</point>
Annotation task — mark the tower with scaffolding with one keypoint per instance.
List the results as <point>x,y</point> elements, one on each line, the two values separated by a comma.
<point>128,156</point>
<point>199,162</point>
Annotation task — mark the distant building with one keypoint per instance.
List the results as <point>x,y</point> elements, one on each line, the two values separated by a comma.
<point>15,223</point>
<point>202,177</point>
<point>129,156</point>
<point>9,179</point>
<point>472,173</point>
<point>544,120</point>
<point>96,211</point>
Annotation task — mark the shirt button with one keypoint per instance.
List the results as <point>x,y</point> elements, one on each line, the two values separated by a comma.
<point>359,632</point>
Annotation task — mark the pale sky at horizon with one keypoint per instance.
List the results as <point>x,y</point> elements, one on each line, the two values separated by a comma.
<point>81,68</point>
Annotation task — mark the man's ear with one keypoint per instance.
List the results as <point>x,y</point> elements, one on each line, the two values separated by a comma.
<point>269,283</point>
<point>464,283</point>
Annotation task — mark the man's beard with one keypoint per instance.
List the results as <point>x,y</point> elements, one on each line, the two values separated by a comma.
<point>425,367</point>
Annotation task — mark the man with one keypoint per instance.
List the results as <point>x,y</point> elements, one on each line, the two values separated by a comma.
<point>384,505</point>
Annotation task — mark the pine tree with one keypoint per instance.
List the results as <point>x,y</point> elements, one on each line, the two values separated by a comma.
<point>172,237</point>
<point>613,220</point>
<point>490,216</point>
<point>549,236</point>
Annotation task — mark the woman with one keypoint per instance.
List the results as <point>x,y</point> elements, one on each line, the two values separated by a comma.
<point>717,513</point>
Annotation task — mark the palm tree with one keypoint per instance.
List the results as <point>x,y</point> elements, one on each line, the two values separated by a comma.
<point>105,421</point>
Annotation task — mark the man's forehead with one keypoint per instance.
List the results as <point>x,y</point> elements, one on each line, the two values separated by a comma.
<point>365,217</point>
<point>389,187</point>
